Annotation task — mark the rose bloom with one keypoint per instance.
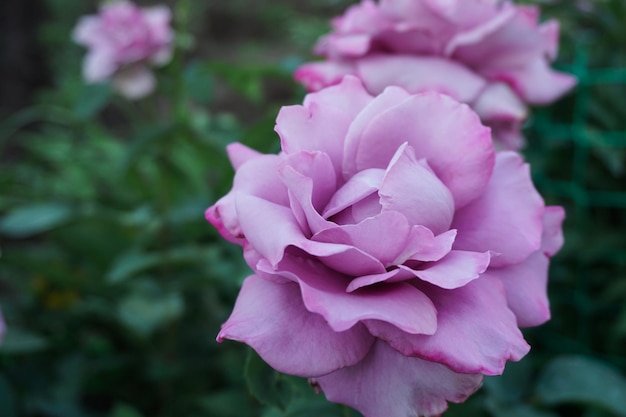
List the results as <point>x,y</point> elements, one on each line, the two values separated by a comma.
<point>395,254</point>
<point>123,42</point>
<point>490,54</point>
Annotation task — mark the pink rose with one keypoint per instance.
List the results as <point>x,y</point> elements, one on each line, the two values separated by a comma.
<point>395,254</point>
<point>490,54</point>
<point>123,41</point>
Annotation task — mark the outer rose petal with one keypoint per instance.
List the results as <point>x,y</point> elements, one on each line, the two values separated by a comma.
<point>418,74</point>
<point>526,289</point>
<point>526,283</point>
<point>389,384</point>
<point>271,318</point>
<point>317,75</point>
<point>507,218</point>
<point>476,331</point>
<point>87,31</point>
<point>134,82</point>
<point>502,110</point>
<point>552,239</point>
<point>499,102</point>
<point>257,177</point>
<point>238,154</point>
<point>98,66</point>
<point>535,82</point>
<point>322,122</point>
<point>446,133</point>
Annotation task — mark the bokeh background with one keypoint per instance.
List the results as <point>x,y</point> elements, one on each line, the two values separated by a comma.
<point>113,286</point>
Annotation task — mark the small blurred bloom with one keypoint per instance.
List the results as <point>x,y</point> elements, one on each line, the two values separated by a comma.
<point>123,42</point>
<point>491,54</point>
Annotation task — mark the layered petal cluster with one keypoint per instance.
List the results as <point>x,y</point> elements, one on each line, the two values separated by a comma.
<point>490,54</point>
<point>395,254</point>
<point>123,41</point>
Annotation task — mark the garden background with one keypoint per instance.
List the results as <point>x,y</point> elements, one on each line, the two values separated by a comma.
<point>113,285</point>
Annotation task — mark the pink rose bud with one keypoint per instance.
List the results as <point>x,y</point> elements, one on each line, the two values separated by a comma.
<point>123,41</point>
<point>395,253</point>
<point>490,54</point>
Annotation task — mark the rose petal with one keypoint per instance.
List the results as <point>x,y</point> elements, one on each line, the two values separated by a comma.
<point>418,74</point>
<point>434,250</point>
<point>381,236</point>
<point>322,122</point>
<point>512,42</point>
<point>526,289</point>
<point>238,154</point>
<point>411,188</point>
<point>360,186</point>
<point>272,319</point>
<point>280,230</point>
<point>98,66</point>
<point>446,133</point>
<point>552,238</point>
<point>507,218</point>
<point>310,179</point>
<point>535,82</point>
<point>476,331</point>
<point>455,270</point>
<point>388,384</point>
<point>499,102</point>
<point>324,292</point>
<point>391,97</point>
<point>257,177</point>
<point>317,75</point>
<point>395,275</point>
<point>482,32</point>
<point>87,31</point>
<point>134,82</point>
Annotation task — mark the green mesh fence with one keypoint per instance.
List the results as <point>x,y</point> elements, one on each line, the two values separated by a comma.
<point>577,151</point>
<point>585,139</point>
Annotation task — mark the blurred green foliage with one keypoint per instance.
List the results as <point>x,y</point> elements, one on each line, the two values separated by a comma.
<point>114,286</point>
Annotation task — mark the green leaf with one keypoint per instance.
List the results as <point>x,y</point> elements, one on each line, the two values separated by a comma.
<point>316,406</point>
<point>33,219</point>
<point>21,341</point>
<point>125,410</point>
<point>512,385</point>
<point>131,263</point>
<point>227,403</point>
<point>144,312</point>
<point>199,82</point>
<point>264,383</point>
<point>92,99</point>
<point>577,379</point>
<point>499,410</point>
